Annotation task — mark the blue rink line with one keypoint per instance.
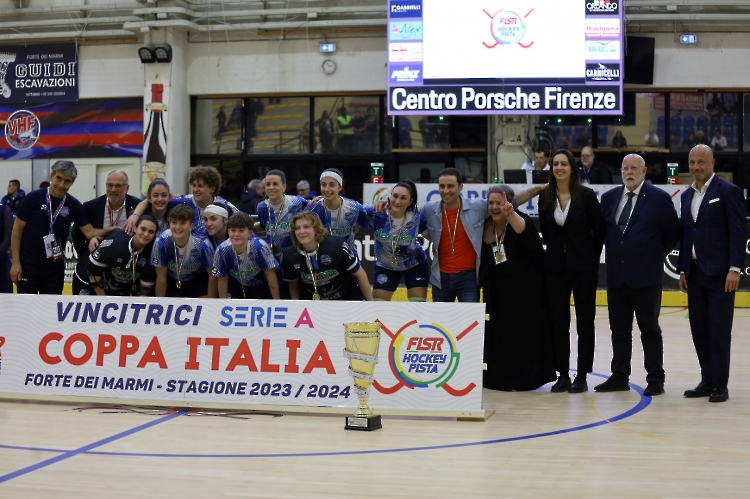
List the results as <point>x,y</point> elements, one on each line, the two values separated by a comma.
<point>642,404</point>
<point>82,450</point>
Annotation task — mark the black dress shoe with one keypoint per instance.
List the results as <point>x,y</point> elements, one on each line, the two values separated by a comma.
<point>579,385</point>
<point>561,385</point>
<point>719,395</point>
<point>612,385</point>
<point>702,390</point>
<point>654,389</point>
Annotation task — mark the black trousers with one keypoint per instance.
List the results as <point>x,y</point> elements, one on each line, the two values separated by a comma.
<point>48,280</point>
<point>711,315</point>
<point>583,287</point>
<point>645,303</point>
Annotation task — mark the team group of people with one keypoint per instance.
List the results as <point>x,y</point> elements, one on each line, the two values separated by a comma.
<point>201,246</point>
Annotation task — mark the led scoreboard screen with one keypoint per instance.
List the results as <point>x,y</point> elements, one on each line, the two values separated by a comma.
<point>505,57</point>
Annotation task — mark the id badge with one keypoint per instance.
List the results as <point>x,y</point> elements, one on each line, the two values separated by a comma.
<point>499,253</point>
<point>57,253</point>
<point>49,241</point>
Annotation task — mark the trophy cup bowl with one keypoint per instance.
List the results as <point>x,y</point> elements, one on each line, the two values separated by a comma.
<point>362,344</point>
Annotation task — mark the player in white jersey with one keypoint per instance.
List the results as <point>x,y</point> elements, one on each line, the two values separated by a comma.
<point>182,260</point>
<point>276,212</point>
<point>243,264</point>
<point>338,214</point>
<point>397,252</point>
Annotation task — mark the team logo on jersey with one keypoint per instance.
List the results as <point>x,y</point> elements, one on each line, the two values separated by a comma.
<point>382,279</point>
<point>349,215</point>
<point>155,260</point>
<point>22,130</point>
<point>214,272</point>
<point>65,212</point>
<point>325,259</point>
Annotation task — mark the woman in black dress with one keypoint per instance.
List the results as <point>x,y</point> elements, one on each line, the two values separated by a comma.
<point>518,344</point>
<point>573,229</point>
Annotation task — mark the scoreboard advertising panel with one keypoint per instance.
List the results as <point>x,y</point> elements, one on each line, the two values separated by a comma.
<point>505,56</point>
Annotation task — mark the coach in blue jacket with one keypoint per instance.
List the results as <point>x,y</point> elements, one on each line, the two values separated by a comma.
<point>714,234</point>
<point>641,229</point>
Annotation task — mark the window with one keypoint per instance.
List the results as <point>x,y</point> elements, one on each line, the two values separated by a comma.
<point>642,123</point>
<point>218,126</point>
<point>347,124</point>
<point>278,125</point>
<point>703,118</point>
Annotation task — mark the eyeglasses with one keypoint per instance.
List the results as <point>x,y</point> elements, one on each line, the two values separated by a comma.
<point>115,186</point>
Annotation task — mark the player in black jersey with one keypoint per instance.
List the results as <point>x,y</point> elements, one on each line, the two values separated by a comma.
<point>120,265</point>
<point>322,267</point>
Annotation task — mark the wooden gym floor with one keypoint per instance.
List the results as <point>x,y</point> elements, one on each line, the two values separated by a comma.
<point>537,444</point>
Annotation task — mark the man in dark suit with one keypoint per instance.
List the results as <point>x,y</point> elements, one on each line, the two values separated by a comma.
<point>714,234</point>
<point>591,170</point>
<point>109,210</point>
<point>642,228</point>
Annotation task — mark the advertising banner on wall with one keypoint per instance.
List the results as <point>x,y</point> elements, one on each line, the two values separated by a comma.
<point>258,352</point>
<point>39,73</point>
<point>101,128</point>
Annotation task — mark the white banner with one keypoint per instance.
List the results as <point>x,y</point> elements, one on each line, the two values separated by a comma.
<point>257,352</point>
<point>429,192</point>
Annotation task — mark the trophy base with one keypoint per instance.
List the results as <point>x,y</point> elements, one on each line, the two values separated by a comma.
<point>363,424</point>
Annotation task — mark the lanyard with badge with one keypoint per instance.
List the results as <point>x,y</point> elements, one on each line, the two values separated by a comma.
<point>51,244</point>
<point>312,266</point>
<point>274,220</point>
<point>239,269</point>
<point>498,248</point>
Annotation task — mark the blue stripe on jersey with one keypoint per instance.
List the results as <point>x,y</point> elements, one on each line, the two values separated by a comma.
<point>277,231</point>
<point>196,261</point>
<point>351,213</point>
<point>409,253</point>
<point>252,265</point>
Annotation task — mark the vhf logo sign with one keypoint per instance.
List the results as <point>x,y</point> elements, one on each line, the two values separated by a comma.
<point>405,9</point>
<point>608,7</point>
<point>22,130</point>
<point>604,51</point>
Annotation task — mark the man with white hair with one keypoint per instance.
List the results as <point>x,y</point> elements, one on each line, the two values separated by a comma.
<point>591,170</point>
<point>109,210</point>
<point>642,228</point>
<point>255,193</point>
<point>41,230</point>
<point>303,189</point>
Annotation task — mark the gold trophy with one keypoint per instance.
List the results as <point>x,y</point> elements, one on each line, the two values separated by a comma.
<point>362,344</point>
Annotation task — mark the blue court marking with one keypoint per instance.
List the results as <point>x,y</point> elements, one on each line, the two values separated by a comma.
<point>86,448</point>
<point>642,404</point>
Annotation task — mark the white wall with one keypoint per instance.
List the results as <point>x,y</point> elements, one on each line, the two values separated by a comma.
<point>110,71</point>
<point>285,67</point>
<point>718,60</point>
<point>16,170</point>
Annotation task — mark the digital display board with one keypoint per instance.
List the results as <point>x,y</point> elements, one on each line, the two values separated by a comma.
<point>505,57</point>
